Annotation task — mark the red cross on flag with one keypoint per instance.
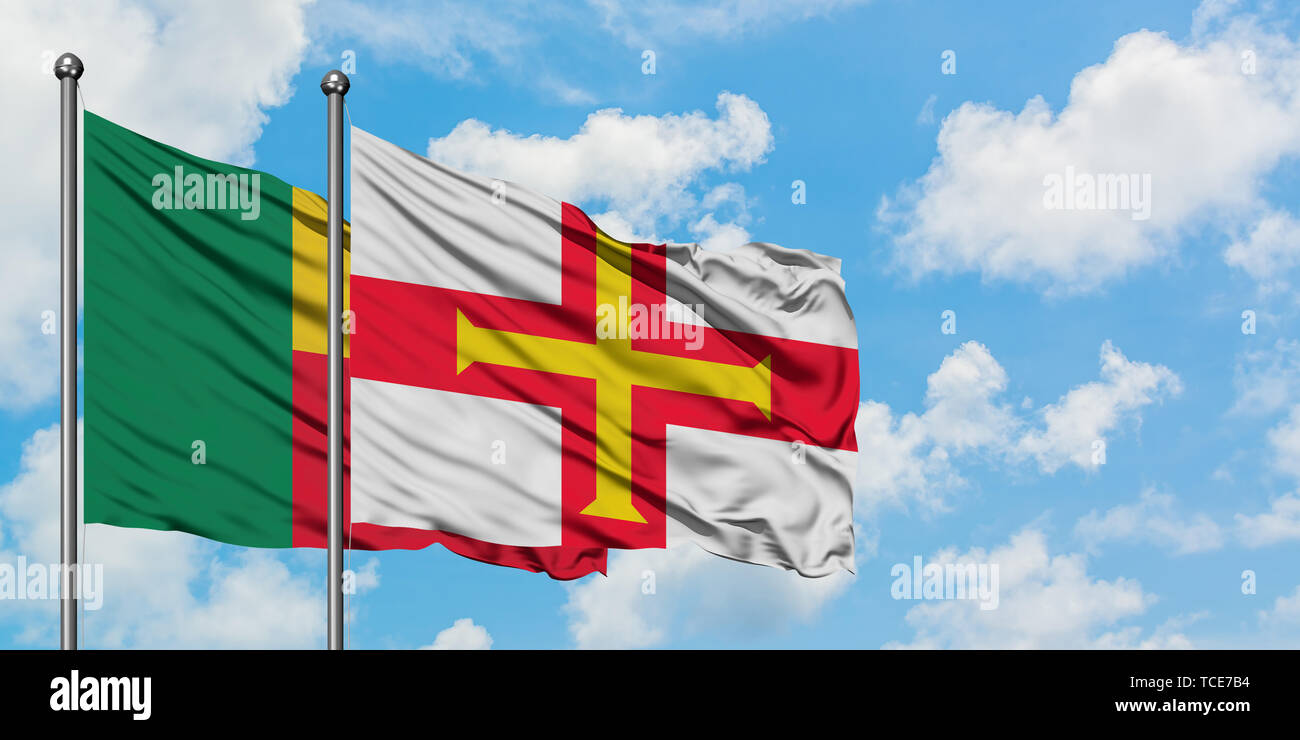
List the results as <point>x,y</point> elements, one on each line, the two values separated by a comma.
<point>529,391</point>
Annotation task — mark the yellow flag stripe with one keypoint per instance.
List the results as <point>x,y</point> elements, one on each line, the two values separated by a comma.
<point>309,280</point>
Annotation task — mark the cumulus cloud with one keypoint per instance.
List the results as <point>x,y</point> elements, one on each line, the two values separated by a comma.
<point>1155,107</point>
<point>463,634</point>
<point>910,458</point>
<point>160,589</point>
<point>647,169</point>
<point>142,63</point>
<point>1168,635</point>
<point>1046,602</point>
<point>1152,519</point>
<point>652,597</point>
<point>1087,413</point>
<point>1285,611</point>
<point>1268,380</point>
<point>1281,523</point>
<point>728,200</point>
<point>1284,440</point>
<point>1269,252</point>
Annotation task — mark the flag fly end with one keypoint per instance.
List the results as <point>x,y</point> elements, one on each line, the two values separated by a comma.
<point>333,82</point>
<point>68,65</point>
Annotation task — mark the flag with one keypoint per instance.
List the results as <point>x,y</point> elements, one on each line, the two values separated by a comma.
<point>521,377</point>
<point>205,357</point>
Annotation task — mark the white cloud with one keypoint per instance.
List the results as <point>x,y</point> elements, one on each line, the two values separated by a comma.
<point>254,601</point>
<point>960,411</point>
<point>1281,523</point>
<point>1284,439</point>
<point>463,634</point>
<point>1153,107</point>
<point>910,458</point>
<point>692,593</point>
<point>720,236</point>
<point>1285,611</point>
<point>728,234</point>
<point>1151,519</point>
<point>566,92</point>
<point>676,21</point>
<point>1089,412</point>
<point>366,578</point>
<point>1269,252</point>
<point>1166,636</point>
<point>898,462</point>
<point>614,224</point>
<point>645,168</point>
<point>1046,601</point>
<point>150,67</point>
<point>160,589</point>
<point>1267,381</point>
<point>926,116</point>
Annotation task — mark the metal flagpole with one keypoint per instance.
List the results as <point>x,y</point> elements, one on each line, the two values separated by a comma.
<point>335,85</point>
<point>68,69</point>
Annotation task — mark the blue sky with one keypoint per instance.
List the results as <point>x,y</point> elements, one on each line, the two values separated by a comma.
<point>975,445</point>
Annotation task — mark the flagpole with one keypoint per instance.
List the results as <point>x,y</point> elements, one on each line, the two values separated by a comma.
<point>335,85</point>
<point>68,69</point>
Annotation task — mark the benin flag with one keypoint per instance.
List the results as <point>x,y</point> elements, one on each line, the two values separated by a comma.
<point>205,367</point>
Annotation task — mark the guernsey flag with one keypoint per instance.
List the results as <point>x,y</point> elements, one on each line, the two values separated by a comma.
<point>520,376</point>
<point>204,358</point>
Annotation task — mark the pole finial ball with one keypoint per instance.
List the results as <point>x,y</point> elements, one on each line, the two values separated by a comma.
<point>68,65</point>
<point>335,81</point>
